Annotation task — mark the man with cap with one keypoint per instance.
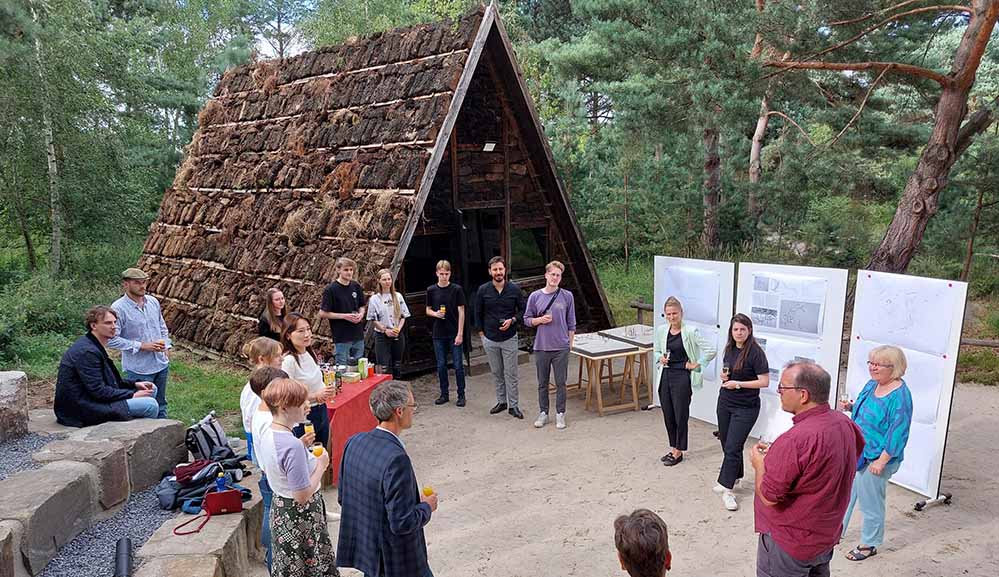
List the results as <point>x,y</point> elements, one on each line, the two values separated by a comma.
<point>142,335</point>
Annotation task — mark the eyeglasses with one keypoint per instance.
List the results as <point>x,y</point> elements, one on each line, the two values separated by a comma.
<point>874,365</point>
<point>783,388</point>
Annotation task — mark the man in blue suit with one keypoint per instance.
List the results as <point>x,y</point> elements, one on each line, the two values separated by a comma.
<point>382,509</point>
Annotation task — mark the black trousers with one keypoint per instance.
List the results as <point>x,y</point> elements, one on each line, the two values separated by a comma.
<point>388,352</point>
<point>735,421</point>
<point>674,396</point>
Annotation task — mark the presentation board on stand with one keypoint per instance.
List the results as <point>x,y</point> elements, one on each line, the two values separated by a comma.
<point>797,313</point>
<point>923,317</point>
<point>706,290</point>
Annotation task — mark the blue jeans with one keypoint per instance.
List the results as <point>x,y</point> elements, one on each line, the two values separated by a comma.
<point>266,495</point>
<point>441,349</point>
<point>870,490</point>
<point>143,407</point>
<point>348,353</point>
<point>160,380</point>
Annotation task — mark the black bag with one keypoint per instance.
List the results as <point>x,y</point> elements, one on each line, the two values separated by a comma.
<point>205,437</point>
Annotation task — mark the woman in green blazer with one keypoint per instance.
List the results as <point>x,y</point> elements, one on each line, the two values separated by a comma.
<point>681,352</point>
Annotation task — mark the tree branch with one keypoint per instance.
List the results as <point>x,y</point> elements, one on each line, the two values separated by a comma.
<point>791,120</point>
<point>908,69</point>
<point>863,103</point>
<point>976,124</point>
<point>869,29</point>
<point>870,15</point>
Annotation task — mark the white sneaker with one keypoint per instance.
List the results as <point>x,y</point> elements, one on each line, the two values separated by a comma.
<point>542,420</point>
<point>719,488</point>
<point>728,499</point>
<point>559,420</point>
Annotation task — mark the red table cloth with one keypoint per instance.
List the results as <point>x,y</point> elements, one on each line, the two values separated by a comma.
<point>350,414</point>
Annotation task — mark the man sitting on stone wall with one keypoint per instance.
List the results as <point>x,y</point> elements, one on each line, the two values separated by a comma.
<point>89,389</point>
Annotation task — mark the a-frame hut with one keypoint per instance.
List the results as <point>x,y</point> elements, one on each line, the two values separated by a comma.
<point>396,150</point>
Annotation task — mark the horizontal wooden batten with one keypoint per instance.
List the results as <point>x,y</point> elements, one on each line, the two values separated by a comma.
<point>307,79</point>
<point>385,145</point>
<point>185,261</point>
<point>359,107</point>
<point>403,191</point>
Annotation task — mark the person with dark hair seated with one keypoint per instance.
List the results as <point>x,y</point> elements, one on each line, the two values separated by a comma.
<point>642,542</point>
<point>89,388</point>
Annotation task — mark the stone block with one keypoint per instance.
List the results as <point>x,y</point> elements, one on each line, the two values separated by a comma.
<point>181,566</point>
<point>154,446</point>
<point>223,537</point>
<point>233,539</point>
<point>53,504</point>
<point>13,404</point>
<point>108,457</point>
<point>43,422</point>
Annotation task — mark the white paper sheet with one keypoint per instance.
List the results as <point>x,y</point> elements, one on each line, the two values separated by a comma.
<point>921,452</point>
<point>698,291</point>
<point>906,311</point>
<point>790,304</point>
<point>782,351</point>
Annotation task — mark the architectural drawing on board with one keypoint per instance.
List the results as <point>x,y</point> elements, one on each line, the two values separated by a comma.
<point>781,352</point>
<point>791,304</point>
<point>912,304</point>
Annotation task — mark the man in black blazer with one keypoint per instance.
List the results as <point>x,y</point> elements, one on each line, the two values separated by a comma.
<point>89,388</point>
<point>383,510</point>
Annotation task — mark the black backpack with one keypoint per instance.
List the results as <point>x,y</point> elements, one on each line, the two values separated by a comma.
<point>206,437</point>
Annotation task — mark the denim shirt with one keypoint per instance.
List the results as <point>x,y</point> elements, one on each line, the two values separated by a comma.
<point>137,325</point>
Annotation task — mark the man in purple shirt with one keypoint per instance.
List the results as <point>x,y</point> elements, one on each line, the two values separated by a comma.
<point>552,311</point>
<point>803,479</point>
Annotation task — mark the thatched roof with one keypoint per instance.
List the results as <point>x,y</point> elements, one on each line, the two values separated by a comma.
<point>329,153</point>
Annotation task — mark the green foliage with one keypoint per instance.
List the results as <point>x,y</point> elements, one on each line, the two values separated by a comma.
<point>841,232</point>
<point>624,284</point>
<point>197,387</point>
<point>40,304</point>
<point>978,365</point>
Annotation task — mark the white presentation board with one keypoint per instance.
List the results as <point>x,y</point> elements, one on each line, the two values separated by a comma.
<point>797,312</point>
<point>706,290</point>
<point>923,317</point>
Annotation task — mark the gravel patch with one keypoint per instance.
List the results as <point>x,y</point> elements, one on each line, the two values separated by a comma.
<point>15,454</point>
<point>91,553</point>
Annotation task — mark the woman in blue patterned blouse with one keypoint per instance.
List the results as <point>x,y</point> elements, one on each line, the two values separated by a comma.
<point>883,411</point>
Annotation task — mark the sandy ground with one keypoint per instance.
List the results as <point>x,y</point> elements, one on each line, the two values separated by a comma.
<point>517,501</point>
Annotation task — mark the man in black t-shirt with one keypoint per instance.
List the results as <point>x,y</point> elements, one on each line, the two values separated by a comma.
<point>446,308</point>
<point>343,304</point>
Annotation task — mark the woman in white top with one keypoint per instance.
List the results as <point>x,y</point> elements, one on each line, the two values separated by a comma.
<point>261,352</point>
<point>387,309</point>
<point>300,539</point>
<point>302,365</point>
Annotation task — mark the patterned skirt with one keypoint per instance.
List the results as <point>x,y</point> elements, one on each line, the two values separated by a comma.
<point>300,540</point>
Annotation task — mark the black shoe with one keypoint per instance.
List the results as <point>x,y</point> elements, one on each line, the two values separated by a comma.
<point>461,402</point>
<point>441,400</point>
<point>516,413</point>
<point>673,460</point>
<point>715,434</point>
<point>499,408</point>
<point>666,457</point>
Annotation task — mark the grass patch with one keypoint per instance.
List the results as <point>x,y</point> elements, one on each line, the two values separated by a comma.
<point>622,287</point>
<point>198,386</point>
<point>978,365</point>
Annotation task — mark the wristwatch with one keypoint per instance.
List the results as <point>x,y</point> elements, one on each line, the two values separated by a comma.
<point>738,385</point>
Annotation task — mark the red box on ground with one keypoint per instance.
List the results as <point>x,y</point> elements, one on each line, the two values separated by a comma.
<point>350,414</point>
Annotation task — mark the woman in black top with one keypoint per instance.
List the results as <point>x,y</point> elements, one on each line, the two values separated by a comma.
<point>271,322</point>
<point>744,372</point>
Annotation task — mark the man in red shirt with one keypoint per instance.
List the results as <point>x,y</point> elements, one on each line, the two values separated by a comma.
<point>803,479</point>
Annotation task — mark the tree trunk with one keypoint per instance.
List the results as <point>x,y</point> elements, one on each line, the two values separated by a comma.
<point>919,199</point>
<point>55,255</point>
<point>971,237</point>
<point>712,189</point>
<point>755,151</point>
<point>627,253</point>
